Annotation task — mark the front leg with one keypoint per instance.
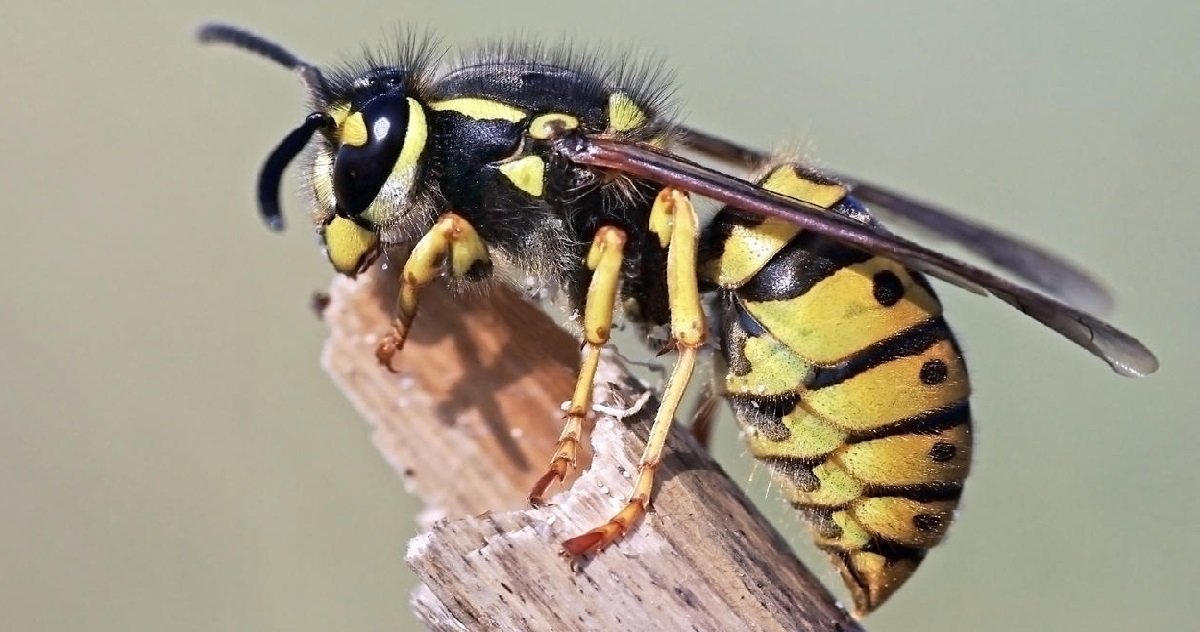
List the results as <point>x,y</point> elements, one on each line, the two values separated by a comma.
<point>453,242</point>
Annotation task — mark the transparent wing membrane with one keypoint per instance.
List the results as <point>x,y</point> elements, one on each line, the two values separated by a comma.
<point>1124,353</point>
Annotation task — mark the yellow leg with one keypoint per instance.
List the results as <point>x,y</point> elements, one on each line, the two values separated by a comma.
<point>674,221</point>
<point>604,260</point>
<point>452,237</point>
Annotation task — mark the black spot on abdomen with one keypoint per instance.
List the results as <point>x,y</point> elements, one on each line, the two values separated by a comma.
<point>887,288</point>
<point>934,372</point>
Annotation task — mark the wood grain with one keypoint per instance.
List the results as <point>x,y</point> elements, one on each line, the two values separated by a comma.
<point>470,421</point>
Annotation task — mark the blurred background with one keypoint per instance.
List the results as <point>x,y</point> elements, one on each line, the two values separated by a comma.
<point>173,458</point>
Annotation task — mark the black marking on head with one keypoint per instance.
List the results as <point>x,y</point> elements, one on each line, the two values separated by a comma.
<point>934,372</point>
<point>380,81</point>
<point>798,267</point>
<point>943,451</point>
<point>404,64</point>
<point>887,288</point>
<point>902,344</point>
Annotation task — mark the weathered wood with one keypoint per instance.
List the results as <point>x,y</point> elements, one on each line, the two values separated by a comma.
<point>469,423</point>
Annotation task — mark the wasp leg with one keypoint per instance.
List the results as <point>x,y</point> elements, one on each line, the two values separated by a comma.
<point>452,241</point>
<point>604,259</point>
<point>673,219</point>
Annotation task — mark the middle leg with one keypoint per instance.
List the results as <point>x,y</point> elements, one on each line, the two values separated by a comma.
<point>604,259</point>
<point>674,220</point>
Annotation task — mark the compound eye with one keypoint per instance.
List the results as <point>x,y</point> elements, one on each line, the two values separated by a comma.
<point>371,142</point>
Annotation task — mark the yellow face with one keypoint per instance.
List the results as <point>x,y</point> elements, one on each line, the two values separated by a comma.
<point>366,183</point>
<point>350,247</point>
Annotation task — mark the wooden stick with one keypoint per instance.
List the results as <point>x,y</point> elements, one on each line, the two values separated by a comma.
<point>470,422</point>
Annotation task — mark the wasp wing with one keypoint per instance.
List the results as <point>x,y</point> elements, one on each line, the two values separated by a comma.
<point>1045,270</point>
<point>1121,351</point>
<point>1041,268</point>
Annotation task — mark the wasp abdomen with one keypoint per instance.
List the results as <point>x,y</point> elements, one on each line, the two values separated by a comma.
<point>848,384</point>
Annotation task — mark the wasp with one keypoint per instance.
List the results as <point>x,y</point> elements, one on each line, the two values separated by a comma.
<point>831,346</point>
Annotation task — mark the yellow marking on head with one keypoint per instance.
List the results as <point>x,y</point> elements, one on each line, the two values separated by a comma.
<point>481,109</point>
<point>786,180</point>
<point>623,113</point>
<point>348,244</point>
<point>414,140</point>
<point>527,174</point>
<point>810,437</point>
<point>774,369</point>
<point>353,131</point>
<point>903,520</point>
<point>339,112</point>
<point>906,460</point>
<point>840,314</point>
<point>891,391</point>
<point>543,127</point>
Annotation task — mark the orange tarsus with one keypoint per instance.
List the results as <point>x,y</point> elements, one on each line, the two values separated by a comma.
<point>601,537</point>
<point>556,471</point>
<point>389,347</point>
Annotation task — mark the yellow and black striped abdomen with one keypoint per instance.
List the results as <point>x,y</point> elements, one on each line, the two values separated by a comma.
<point>847,383</point>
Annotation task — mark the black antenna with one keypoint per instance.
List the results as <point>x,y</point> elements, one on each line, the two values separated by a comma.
<point>277,161</point>
<point>245,40</point>
<point>272,170</point>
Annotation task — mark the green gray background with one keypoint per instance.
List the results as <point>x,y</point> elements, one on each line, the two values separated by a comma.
<point>172,458</point>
